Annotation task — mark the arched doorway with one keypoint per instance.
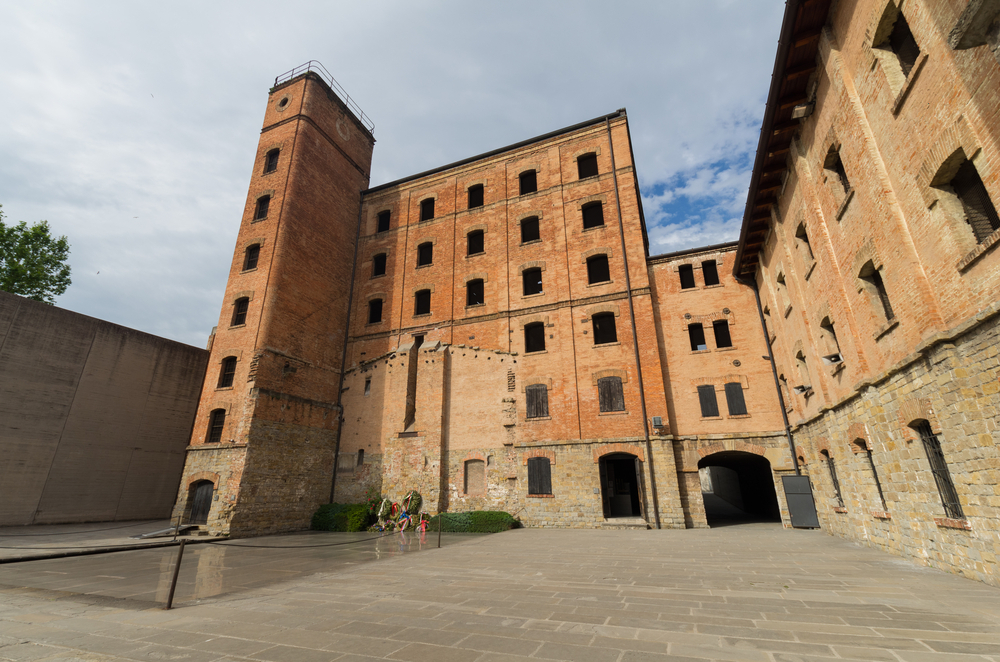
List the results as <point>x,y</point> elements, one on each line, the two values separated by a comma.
<point>200,497</point>
<point>620,487</point>
<point>738,487</point>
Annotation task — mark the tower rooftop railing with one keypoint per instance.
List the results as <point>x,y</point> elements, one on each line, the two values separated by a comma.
<point>317,68</point>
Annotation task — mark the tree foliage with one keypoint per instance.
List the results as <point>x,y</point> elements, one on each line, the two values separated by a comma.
<point>32,261</point>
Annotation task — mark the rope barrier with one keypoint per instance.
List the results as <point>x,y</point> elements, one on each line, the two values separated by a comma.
<point>225,543</point>
<point>72,533</point>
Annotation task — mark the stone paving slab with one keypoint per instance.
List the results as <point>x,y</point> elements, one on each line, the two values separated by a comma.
<point>758,593</point>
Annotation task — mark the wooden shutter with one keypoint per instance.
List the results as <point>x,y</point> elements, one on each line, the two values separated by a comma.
<point>610,394</point>
<point>734,398</point>
<point>539,476</point>
<point>538,400</point>
<point>709,405</point>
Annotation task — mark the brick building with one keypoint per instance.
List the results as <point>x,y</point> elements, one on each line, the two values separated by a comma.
<point>495,334</point>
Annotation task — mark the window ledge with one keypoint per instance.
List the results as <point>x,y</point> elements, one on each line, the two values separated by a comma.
<point>377,276</point>
<point>690,289</point>
<point>541,351</point>
<point>886,328</point>
<point>246,271</point>
<point>949,523</point>
<point>533,241</point>
<point>837,367</point>
<point>881,514</point>
<point>701,351</point>
<point>607,344</point>
<point>479,254</point>
<point>475,305</point>
<point>541,496</point>
<point>373,323</point>
<point>603,282</point>
<point>258,220</point>
<point>739,416</point>
<point>711,418</point>
<point>596,227</point>
<point>237,326</point>
<point>537,418</point>
<point>529,296</point>
<point>839,509</point>
<point>224,388</point>
<point>979,251</point>
<point>908,85</point>
<point>421,315</point>
<point>424,266</point>
<point>613,413</point>
<point>731,348</point>
<point>843,205</point>
<point>708,287</point>
<point>269,172</point>
<point>788,310</point>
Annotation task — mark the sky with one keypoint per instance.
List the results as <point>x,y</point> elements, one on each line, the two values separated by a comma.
<point>132,127</point>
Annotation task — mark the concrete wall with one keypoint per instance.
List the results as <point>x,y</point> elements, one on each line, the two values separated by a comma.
<point>94,417</point>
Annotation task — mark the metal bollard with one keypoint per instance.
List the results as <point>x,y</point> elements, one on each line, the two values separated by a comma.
<point>177,569</point>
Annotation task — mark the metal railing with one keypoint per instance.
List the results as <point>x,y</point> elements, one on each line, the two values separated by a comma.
<point>320,70</point>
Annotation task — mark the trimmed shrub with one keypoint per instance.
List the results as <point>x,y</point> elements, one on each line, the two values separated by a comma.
<point>477,521</point>
<point>341,517</point>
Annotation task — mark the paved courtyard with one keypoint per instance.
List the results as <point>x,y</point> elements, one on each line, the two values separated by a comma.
<point>752,592</point>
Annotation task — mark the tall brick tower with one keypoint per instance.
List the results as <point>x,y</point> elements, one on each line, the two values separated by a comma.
<point>262,451</point>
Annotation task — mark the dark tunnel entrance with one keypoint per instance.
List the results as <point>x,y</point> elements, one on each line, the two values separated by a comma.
<point>738,488</point>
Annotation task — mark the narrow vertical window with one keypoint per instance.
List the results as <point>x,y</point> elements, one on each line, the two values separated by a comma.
<point>422,302</point>
<point>476,196</point>
<point>696,334</point>
<point>368,386</point>
<point>709,403</point>
<point>271,161</point>
<point>534,337</point>
<point>375,311</point>
<point>805,383</point>
<point>250,257</point>
<point>476,243</point>
<point>263,203</point>
<point>836,166</point>
<point>383,221</point>
<point>378,265</point>
<point>604,328</point>
<point>227,372</point>
<point>537,400</point>
<point>425,254</point>
<point>539,475</point>
<point>980,213</point>
<point>361,456</point>
<point>831,346</point>
<point>610,395</point>
<point>427,209</point>
<point>902,43</point>
<point>686,272</point>
<point>873,277</point>
<point>832,467</point>
<point>474,295</point>
<point>593,215</point>
<point>710,272</point>
<point>878,483</point>
<point>734,399</point>
<point>531,280</point>
<point>722,337</point>
<point>802,243</point>
<point>528,182</point>
<point>529,229</point>
<point>240,307</point>
<point>942,477</point>
<point>586,166</point>
<point>598,270</point>
<point>216,421</point>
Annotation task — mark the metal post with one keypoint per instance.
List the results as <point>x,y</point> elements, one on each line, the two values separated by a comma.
<point>440,523</point>
<point>177,568</point>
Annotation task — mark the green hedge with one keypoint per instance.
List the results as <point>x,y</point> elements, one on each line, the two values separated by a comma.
<point>477,521</point>
<point>341,517</point>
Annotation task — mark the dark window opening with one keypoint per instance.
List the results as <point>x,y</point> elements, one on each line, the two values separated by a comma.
<point>686,272</point>
<point>383,221</point>
<point>586,166</point>
<point>361,454</point>
<point>878,483</point>
<point>529,229</point>
<point>532,281</point>
<point>722,337</point>
<point>537,399</point>
<point>598,270</point>
<point>374,311</point>
<point>476,196</point>
<point>378,265</point>
<point>216,421</point>
<point>240,308</point>
<point>534,337</point>
<point>874,277</point>
<point>263,203</point>
<point>710,272</point>
<point>610,394</point>
<point>271,161</point>
<point>228,372</point>
<point>476,242</point>
<point>946,488</point>
<point>425,254</point>
<point>422,302</point>
<point>604,328</point>
<point>831,465</point>
<point>368,386</point>
<point>979,210</point>
<point>835,164</point>
<point>696,332</point>
<point>734,399</point>
<point>427,209</point>
<point>539,475</point>
<point>831,346</point>
<point>474,293</point>
<point>707,400</point>
<point>802,241</point>
<point>528,182</point>
<point>903,44</point>
<point>593,215</point>
<point>250,257</point>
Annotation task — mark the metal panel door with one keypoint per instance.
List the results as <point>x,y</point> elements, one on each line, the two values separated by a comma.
<point>801,507</point>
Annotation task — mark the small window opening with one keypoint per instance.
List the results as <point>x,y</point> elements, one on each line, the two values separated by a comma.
<point>902,43</point>
<point>534,337</point>
<point>539,475</point>
<point>980,213</point>
<point>686,272</point>
<point>707,400</point>
<point>805,383</point>
<point>383,221</point>
<point>537,400</point>
<point>474,293</point>
<point>375,311</point>
<point>361,455</point>
<point>250,257</point>
<point>696,333</point>
<point>722,337</point>
<point>532,281</point>
<point>216,421</point>
<point>802,243</point>
<point>831,346</point>
<point>782,291</point>
<point>586,166</point>
<point>271,161</point>
<point>427,209</point>
<point>378,265</point>
<point>422,302</point>
<point>368,385</point>
<point>836,165</point>
<point>734,399</point>
<point>593,215</point>
<point>610,394</point>
<point>263,203</point>
<point>425,254</point>
<point>529,229</point>
<point>871,465</point>
<point>476,196</point>
<point>476,243</point>
<point>873,277</point>
<point>598,270</point>
<point>832,467</point>
<point>604,328</point>
<point>528,182</point>
<point>227,372</point>
<point>240,308</point>
<point>710,271</point>
<point>939,467</point>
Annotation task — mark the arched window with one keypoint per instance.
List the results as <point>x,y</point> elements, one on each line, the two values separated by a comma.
<point>427,209</point>
<point>263,203</point>
<point>832,466</point>
<point>422,302</point>
<point>271,161</point>
<point>240,307</point>
<point>531,280</point>
<point>476,243</point>
<point>528,182</point>
<point>474,294</point>
<point>604,328</point>
<point>828,339</point>
<point>873,277</point>
<point>216,421</point>
<point>610,394</point>
<point>593,215</point>
<point>378,264</point>
<point>597,269</point>
<point>227,372</point>
<point>375,311</point>
<point>539,475</point>
<point>476,196</point>
<point>942,477</point>
<point>425,254</point>
<point>383,221</point>
<point>534,337</point>
<point>537,401</point>
<point>586,165</point>
<point>530,230</point>
<point>251,256</point>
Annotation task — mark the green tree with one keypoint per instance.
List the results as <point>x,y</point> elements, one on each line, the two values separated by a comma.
<point>32,261</point>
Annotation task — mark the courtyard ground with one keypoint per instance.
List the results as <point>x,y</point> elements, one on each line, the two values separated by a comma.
<point>751,592</point>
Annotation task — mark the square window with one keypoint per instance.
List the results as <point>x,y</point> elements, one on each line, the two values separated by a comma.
<point>534,337</point>
<point>531,281</point>
<point>604,328</point>
<point>476,242</point>
<point>586,166</point>
<point>722,337</point>
<point>427,209</point>
<point>425,254</point>
<point>250,257</point>
<point>539,475</point>
<point>375,311</point>
<point>734,399</point>
<point>474,295</point>
<point>528,182</point>
<point>530,230</point>
<point>537,399</point>
<point>383,221</point>
<point>610,395</point>
<point>598,270</point>
<point>271,161</point>
<point>593,215</point>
